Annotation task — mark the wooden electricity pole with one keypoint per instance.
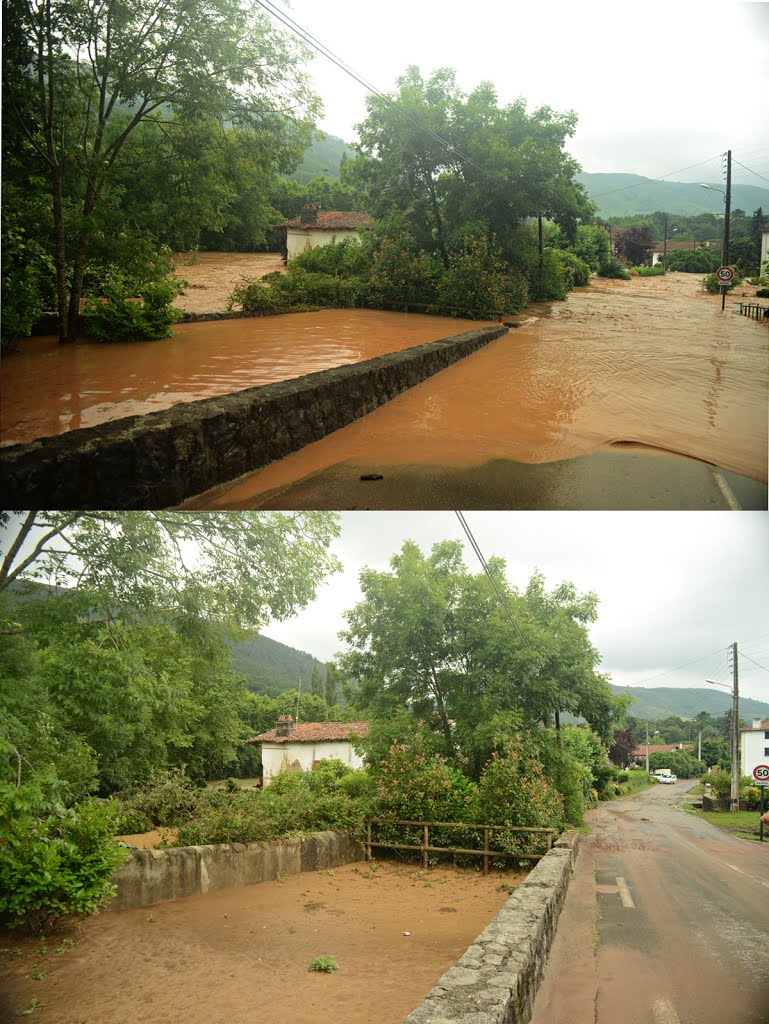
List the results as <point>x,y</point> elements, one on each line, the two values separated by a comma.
<point>734,804</point>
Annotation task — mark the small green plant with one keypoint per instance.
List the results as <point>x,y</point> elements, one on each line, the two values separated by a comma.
<point>281,877</point>
<point>763,293</point>
<point>325,963</point>
<point>36,974</point>
<point>42,949</point>
<point>64,946</point>
<point>331,873</point>
<point>34,1005</point>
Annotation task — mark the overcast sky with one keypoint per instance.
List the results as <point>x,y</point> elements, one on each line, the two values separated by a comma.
<point>657,86</point>
<point>673,587</point>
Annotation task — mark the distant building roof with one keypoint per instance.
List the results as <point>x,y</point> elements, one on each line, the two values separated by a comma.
<point>333,220</point>
<point>761,727</point>
<point>661,748</point>
<point>315,732</point>
<point>660,246</point>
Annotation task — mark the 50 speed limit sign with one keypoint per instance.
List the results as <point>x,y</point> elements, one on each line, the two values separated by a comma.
<point>725,275</point>
<point>761,774</point>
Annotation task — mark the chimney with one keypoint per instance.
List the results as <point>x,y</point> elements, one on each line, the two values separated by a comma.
<point>756,723</point>
<point>285,725</point>
<point>309,214</point>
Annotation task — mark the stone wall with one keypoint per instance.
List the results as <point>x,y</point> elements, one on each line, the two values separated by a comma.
<point>496,980</point>
<point>158,460</point>
<point>156,876</point>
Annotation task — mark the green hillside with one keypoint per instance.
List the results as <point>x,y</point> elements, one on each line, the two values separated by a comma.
<point>321,160</point>
<point>271,667</point>
<point>642,195</point>
<point>663,701</point>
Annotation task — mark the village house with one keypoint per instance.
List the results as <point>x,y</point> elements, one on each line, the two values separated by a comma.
<point>659,248</point>
<point>313,228</point>
<point>754,746</point>
<point>639,754</point>
<point>294,747</point>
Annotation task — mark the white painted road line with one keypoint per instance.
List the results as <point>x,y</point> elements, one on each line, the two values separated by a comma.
<point>663,1012</point>
<point>727,492</point>
<point>624,893</point>
<point>765,884</point>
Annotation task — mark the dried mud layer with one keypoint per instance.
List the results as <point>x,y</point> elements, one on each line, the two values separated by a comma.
<point>241,956</point>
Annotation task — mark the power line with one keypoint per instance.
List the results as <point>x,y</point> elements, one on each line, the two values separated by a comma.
<point>678,668</point>
<point>324,51</point>
<point>500,595</point>
<point>660,178</point>
<point>751,170</point>
<point>754,662</point>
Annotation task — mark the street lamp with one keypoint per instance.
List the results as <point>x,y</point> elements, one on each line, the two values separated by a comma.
<point>734,799</point>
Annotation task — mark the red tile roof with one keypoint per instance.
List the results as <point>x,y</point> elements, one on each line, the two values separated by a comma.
<point>333,220</point>
<point>315,732</point>
<point>661,748</point>
<point>759,728</point>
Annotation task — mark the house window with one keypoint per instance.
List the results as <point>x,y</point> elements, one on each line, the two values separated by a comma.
<point>766,751</point>
<point>766,735</point>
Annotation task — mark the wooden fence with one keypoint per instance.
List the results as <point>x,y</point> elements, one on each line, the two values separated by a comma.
<point>547,833</point>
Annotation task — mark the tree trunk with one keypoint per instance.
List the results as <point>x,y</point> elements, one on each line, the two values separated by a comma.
<point>61,254</point>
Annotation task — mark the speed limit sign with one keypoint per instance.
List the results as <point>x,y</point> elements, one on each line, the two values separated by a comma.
<point>761,774</point>
<point>725,275</point>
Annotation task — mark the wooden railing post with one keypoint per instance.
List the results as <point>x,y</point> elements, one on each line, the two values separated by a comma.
<point>368,840</point>
<point>485,850</point>
<point>426,844</point>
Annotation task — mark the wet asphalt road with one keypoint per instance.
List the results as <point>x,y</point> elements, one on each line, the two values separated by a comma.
<point>622,478</point>
<point>666,922</point>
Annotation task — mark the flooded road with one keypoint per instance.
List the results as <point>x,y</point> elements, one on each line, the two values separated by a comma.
<point>48,388</point>
<point>651,362</point>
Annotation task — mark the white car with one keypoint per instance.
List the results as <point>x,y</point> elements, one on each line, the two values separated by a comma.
<point>667,779</point>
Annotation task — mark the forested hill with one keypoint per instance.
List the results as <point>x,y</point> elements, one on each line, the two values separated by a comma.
<point>663,701</point>
<point>642,195</point>
<point>321,160</point>
<point>270,667</point>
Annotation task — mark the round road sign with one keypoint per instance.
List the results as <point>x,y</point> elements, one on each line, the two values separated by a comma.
<point>761,772</point>
<point>725,275</point>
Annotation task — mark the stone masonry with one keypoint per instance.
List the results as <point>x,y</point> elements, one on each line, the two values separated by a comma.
<point>496,980</point>
<point>160,459</point>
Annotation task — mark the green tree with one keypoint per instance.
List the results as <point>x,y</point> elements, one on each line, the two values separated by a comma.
<point>332,676</point>
<point>431,637</point>
<point>98,70</point>
<point>316,682</point>
<point>236,568</point>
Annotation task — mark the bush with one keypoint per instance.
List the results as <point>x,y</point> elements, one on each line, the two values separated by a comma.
<point>253,296</point>
<point>694,261</point>
<point>713,286</point>
<point>400,275</point>
<point>479,284</point>
<point>132,822</point>
<point>57,866</point>
<point>580,271</point>
<point>169,799</point>
<point>613,269</point>
<point>762,293</point>
<point>752,797</point>
<point>115,315</point>
<point>556,278</point>
<point>656,271</point>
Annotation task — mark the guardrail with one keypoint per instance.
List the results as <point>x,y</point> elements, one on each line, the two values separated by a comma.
<point>754,311</point>
<point>425,847</point>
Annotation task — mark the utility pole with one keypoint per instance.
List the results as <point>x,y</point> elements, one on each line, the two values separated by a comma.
<point>647,748</point>
<point>699,746</point>
<point>728,202</point>
<point>665,247</point>
<point>735,794</point>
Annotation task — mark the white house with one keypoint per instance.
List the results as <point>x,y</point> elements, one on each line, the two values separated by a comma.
<point>291,746</point>
<point>754,746</point>
<point>312,228</point>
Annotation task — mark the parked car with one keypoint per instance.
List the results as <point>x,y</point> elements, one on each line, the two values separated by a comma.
<point>667,779</point>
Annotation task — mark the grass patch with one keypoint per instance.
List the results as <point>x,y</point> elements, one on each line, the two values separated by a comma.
<point>324,963</point>
<point>744,824</point>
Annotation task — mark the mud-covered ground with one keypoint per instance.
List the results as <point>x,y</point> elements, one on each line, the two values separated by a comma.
<point>241,956</point>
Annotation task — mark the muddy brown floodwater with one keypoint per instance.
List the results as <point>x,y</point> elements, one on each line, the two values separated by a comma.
<point>241,956</point>
<point>213,276</point>
<point>651,362</point>
<point>49,388</point>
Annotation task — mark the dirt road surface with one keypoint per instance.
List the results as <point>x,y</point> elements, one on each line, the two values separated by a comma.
<point>240,956</point>
<point>666,922</point>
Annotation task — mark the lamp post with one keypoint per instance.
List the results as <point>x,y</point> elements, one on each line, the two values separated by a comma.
<point>734,799</point>
<point>727,205</point>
